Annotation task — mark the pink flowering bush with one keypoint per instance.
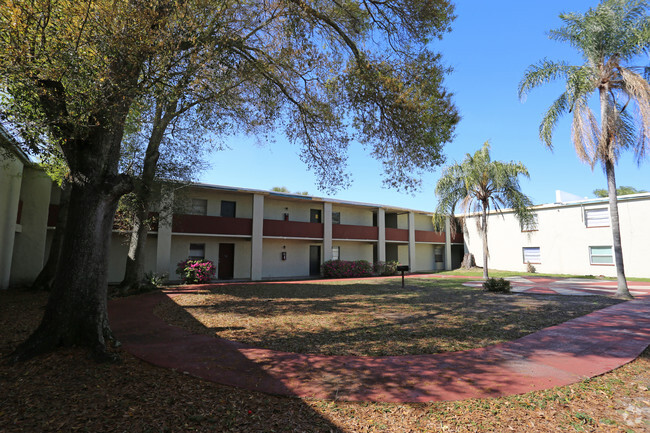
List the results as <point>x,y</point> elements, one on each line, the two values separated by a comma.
<point>347,269</point>
<point>196,271</point>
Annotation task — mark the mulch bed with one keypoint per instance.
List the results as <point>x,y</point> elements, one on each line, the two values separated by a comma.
<point>65,391</point>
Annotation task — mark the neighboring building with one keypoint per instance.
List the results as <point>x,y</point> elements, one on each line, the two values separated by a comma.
<point>568,238</point>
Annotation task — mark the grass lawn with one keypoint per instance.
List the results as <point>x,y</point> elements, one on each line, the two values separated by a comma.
<point>66,392</point>
<point>371,317</point>
<point>495,273</point>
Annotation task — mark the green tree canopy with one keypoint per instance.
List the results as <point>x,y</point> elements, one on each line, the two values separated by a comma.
<point>479,184</point>
<point>621,190</point>
<point>324,72</point>
<point>609,37</point>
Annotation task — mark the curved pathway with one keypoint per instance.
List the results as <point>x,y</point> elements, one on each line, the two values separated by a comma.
<point>559,355</point>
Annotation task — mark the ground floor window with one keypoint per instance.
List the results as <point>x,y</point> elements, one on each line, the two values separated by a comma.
<point>336,253</point>
<point>532,255</point>
<point>601,255</point>
<point>197,251</point>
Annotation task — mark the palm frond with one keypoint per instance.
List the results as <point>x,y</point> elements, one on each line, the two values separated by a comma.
<point>542,73</point>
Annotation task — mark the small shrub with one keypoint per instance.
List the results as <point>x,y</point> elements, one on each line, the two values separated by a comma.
<point>530,268</point>
<point>154,279</point>
<point>498,285</point>
<point>196,271</point>
<point>385,268</point>
<point>347,269</point>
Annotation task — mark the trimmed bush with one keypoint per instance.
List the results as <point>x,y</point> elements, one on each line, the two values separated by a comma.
<point>385,268</point>
<point>497,285</point>
<point>347,269</point>
<point>530,268</point>
<point>196,271</point>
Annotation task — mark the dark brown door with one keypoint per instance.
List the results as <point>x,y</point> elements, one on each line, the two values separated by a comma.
<point>226,261</point>
<point>314,260</point>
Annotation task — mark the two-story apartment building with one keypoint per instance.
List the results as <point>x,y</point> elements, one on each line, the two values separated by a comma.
<point>568,238</point>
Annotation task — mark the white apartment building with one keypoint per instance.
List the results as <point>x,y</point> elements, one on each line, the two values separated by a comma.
<point>568,238</point>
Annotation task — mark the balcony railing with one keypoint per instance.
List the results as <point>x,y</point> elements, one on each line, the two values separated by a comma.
<point>427,236</point>
<point>397,235</point>
<point>293,229</point>
<point>203,224</point>
<point>345,231</point>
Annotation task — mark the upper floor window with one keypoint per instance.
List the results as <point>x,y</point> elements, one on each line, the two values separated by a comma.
<point>597,217</point>
<point>228,208</point>
<point>336,217</point>
<point>199,206</point>
<point>532,255</point>
<point>314,216</point>
<point>531,226</point>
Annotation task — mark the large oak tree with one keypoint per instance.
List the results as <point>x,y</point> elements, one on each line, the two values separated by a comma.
<point>326,72</point>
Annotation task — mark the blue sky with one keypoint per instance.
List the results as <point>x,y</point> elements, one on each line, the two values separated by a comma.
<point>489,48</point>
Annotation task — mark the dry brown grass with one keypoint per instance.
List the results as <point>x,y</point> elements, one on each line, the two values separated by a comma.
<point>373,317</point>
<point>66,392</point>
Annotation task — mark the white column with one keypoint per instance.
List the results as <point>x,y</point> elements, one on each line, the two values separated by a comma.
<point>11,171</point>
<point>447,244</point>
<point>164,238</point>
<point>257,237</point>
<point>412,241</point>
<point>327,231</point>
<point>381,239</point>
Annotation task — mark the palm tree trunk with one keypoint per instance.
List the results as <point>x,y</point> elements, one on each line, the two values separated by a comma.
<point>485,244</point>
<point>622,291</point>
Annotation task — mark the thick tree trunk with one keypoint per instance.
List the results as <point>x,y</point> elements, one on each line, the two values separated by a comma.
<point>45,278</point>
<point>485,243</point>
<point>622,290</point>
<point>76,314</point>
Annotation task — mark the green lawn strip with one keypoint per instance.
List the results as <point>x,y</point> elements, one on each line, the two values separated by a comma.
<point>495,273</point>
<point>371,317</point>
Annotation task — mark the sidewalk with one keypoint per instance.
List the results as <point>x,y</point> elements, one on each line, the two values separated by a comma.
<point>585,347</point>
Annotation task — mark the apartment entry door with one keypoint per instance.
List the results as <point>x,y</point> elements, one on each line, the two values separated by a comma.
<point>314,260</point>
<point>226,261</point>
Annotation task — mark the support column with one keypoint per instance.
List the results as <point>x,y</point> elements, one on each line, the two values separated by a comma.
<point>10,178</point>
<point>447,244</point>
<point>381,239</point>
<point>327,231</point>
<point>164,238</point>
<point>412,241</point>
<point>257,237</point>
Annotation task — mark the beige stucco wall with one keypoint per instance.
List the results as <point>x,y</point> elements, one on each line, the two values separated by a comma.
<point>29,243</point>
<point>299,210</point>
<point>425,257</point>
<point>180,247</point>
<point>564,240</point>
<point>244,207</point>
<point>119,250</point>
<point>354,250</point>
<point>423,222</point>
<point>359,216</point>
<point>297,263</point>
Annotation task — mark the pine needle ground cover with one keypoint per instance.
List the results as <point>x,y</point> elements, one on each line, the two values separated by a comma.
<point>372,317</point>
<point>65,391</point>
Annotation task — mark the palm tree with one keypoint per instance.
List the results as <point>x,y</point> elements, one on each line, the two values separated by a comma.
<point>477,184</point>
<point>608,37</point>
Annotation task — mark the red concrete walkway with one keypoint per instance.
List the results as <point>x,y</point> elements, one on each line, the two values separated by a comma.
<point>559,355</point>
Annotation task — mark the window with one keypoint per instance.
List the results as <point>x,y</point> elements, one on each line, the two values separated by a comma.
<point>228,208</point>
<point>336,217</point>
<point>199,206</point>
<point>532,255</point>
<point>532,225</point>
<point>336,253</point>
<point>197,251</point>
<point>597,217</point>
<point>439,258</point>
<point>601,255</point>
<point>314,216</point>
